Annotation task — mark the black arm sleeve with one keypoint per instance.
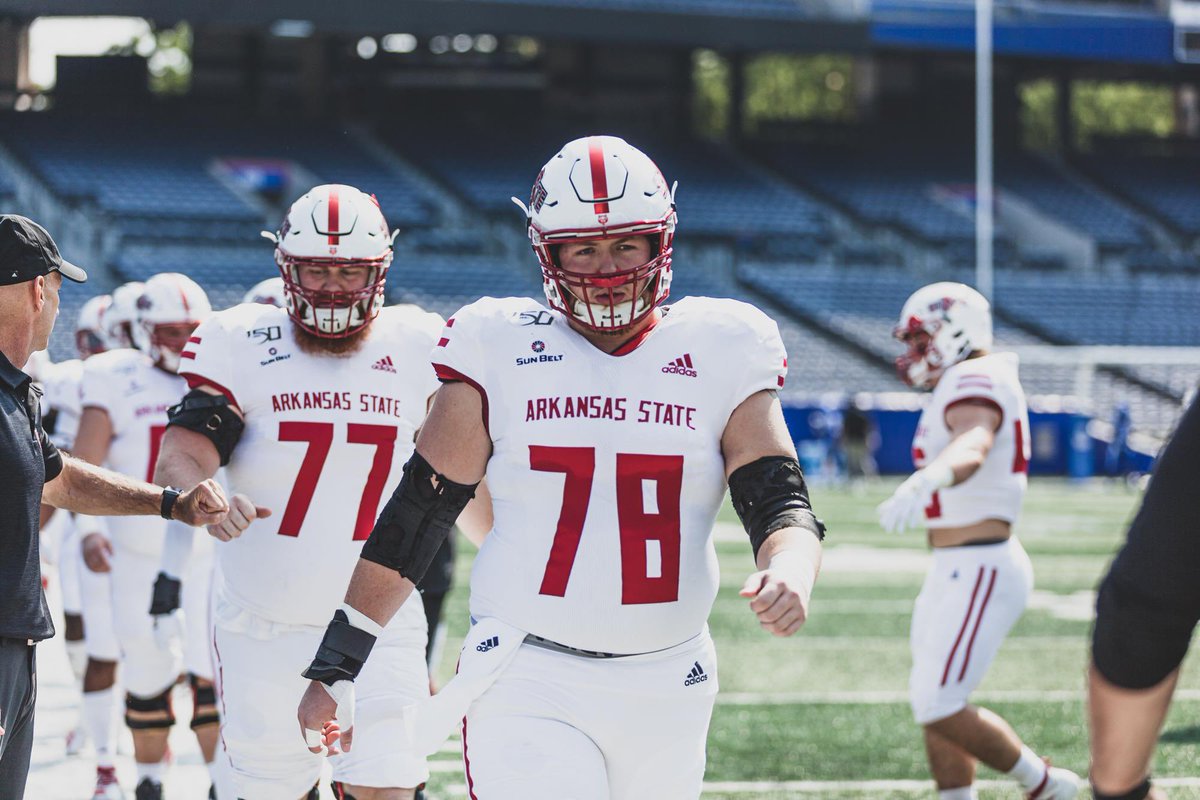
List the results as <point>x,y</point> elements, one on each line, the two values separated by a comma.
<point>416,520</point>
<point>770,494</point>
<point>1149,602</point>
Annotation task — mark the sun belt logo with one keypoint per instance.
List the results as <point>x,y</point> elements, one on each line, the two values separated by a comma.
<point>384,364</point>
<point>488,644</point>
<point>697,675</point>
<point>538,347</point>
<point>681,366</point>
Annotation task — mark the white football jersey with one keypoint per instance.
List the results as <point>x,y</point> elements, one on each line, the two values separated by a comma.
<point>136,394</point>
<point>325,440</point>
<point>60,393</point>
<point>995,491</point>
<point>606,472</point>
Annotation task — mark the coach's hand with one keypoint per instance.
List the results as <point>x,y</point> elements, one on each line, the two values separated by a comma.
<point>97,552</point>
<point>326,717</point>
<point>779,595</point>
<point>241,512</point>
<point>203,504</point>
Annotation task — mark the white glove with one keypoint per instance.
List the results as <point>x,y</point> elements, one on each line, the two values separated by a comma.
<point>906,507</point>
<point>168,630</point>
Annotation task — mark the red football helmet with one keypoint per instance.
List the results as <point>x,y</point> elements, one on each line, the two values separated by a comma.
<point>333,226</point>
<point>601,187</point>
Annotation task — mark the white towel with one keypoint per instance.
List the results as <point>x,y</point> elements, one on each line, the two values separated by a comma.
<point>486,652</point>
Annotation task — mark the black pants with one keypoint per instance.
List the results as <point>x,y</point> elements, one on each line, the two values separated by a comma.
<point>18,690</point>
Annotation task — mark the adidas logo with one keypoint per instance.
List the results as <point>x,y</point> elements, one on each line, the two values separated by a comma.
<point>385,364</point>
<point>488,644</point>
<point>681,366</point>
<point>697,675</point>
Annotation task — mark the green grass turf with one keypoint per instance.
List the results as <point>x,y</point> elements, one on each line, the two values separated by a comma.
<point>857,641</point>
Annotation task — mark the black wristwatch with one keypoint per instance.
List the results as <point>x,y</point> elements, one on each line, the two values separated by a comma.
<point>169,496</point>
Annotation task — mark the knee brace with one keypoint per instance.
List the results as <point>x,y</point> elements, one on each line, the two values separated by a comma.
<point>339,791</point>
<point>1136,793</point>
<point>204,703</point>
<point>149,713</point>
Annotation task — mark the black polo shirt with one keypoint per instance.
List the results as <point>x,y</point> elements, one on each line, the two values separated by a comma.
<point>27,460</point>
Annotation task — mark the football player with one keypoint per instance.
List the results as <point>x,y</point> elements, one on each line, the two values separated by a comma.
<point>125,394</point>
<point>972,452</point>
<point>269,292</point>
<point>61,419</point>
<point>313,408</point>
<point>608,426</point>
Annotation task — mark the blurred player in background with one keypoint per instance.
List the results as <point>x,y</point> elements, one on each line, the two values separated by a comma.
<point>125,395</point>
<point>121,316</point>
<point>60,384</point>
<point>972,452</point>
<point>313,408</point>
<point>608,427</point>
<point>269,292</point>
<point>166,599</point>
<point>1146,612</point>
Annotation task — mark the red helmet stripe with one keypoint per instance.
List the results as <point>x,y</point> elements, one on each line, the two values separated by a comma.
<point>187,309</point>
<point>599,175</point>
<point>333,215</point>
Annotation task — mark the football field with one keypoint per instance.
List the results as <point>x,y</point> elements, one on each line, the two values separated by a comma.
<point>825,714</point>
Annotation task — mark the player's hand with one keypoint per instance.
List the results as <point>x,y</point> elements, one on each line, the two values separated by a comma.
<point>906,507</point>
<point>242,512</point>
<point>97,552</point>
<point>326,716</point>
<point>203,504</point>
<point>779,595</point>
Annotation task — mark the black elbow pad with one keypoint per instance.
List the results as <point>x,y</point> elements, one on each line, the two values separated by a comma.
<point>770,494</point>
<point>415,521</point>
<point>210,416</point>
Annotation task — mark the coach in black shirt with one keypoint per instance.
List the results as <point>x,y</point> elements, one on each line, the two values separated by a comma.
<point>1146,610</point>
<point>33,471</point>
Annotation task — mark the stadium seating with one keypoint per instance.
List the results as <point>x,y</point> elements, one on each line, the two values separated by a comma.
<point>153,177</point>
<point>861,305</point>
<point>717,195</point>
<point>926,190</point>
<point>1168,187</point>
<point>777,9</point>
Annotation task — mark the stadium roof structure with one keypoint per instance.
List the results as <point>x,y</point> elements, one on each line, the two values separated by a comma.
<point>814,25</point>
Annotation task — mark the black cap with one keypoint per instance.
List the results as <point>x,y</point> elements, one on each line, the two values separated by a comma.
<point>26,251</point>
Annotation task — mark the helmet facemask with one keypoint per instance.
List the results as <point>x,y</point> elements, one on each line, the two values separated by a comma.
<point>89,342</point>
<point>329,314</point>
<point>166,340</point>
<point>931,346</point>
<point>574,292</point>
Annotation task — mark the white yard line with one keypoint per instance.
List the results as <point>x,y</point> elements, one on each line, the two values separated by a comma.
<point>897,696</point>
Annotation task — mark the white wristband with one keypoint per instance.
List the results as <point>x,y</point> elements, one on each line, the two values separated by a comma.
<point>361,621</point>
<point>795,563</point>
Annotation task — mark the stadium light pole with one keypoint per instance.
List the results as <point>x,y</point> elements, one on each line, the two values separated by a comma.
<point>984,223</point>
